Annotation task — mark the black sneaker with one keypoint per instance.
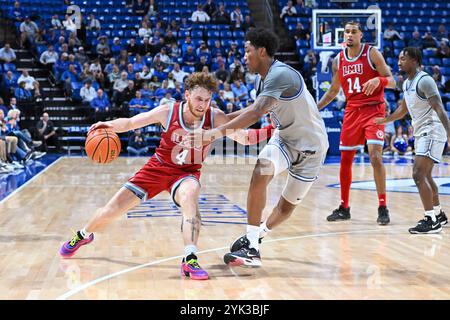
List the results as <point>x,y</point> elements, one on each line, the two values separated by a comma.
<point>426,225</point>
<point>248,257</point>
<point>339,214</point>
<point>241,242</point>
<point>442,218</point>
<point>383,216</point>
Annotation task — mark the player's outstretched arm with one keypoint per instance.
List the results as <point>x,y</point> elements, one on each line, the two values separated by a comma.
<point>334,89</point>
<point>242,136</point>
<point>157,115</point>
<point>398,114</point>
<point>385,79</point>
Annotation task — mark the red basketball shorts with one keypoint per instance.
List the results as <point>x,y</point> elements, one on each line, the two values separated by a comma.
<point>359,126</point>
<point>155,177</point>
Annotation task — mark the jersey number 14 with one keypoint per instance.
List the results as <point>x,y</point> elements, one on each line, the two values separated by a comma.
<point>355,85</point>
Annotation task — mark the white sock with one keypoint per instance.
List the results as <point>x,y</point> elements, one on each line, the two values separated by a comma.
<point>253,236</point>
<point>190,249</point>
<point>431,214</point>
<point>263,229</point>
<point>84,233</point>
<point>437,209</point>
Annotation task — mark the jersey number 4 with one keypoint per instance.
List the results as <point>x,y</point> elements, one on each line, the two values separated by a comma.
<point>355,85</point>
<point>181,157</point>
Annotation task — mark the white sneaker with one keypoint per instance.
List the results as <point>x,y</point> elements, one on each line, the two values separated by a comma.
<point>37,154</point>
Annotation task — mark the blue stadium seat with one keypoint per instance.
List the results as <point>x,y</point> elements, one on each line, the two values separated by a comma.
<point>197,33</point>
<point>226,34</point>
<point>447,106</point>
<point>446,62</point>
<point>435,61</point>
<point>429,53</point>
<point>399,44</point>
<point>213,34</point>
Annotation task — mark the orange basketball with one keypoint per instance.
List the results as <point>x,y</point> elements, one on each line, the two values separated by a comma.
<point>102,145</point>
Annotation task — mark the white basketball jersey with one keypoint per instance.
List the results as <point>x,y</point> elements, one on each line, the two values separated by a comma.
<point>425,120</point>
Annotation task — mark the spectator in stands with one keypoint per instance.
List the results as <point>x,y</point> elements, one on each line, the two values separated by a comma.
<point>438,78</point>
<point>312,3</point>
<point>202,63</point>
<point>157,63</point>
<point>152,9</point>
<point>442,33</point>
<point>179,74</point>
<point>185,26</point>
<point>444,50</point>
<point>74,42</point>
<point>177,92</point>
<point>158,27</point>
<point>7,55</point>
<point>240,90</point>
<point>236,24</point>
<point>30,83</point>
<point>103,50</point>
<point>13,104</point>
<point>189,58</point>
<point>310,63</point>
<point>228,93</point>
<point>69,25</point>
<point>88,93</point>
<point>288,10</point>
<point>175,52</point>
<point>236,14</point>
<point>250,78</point>
<point>119,87</point>
<point>210,7</point>
<point>223,75</point>
<point>146,93</point>
<point>96,69</point>
<point>114,75</point>
<point>123,59</point>
<point>94,24</point>
<point>51,37</point>
<point>154,83</point>
<point>81,56</point>
<point>128,93</point>
<point>17,13</point>
<point>59,44</point>
<point>167,99</point>
<point>140,8</point>
<point>129,3</point>
<point>200,16</point>
<point>301,33</point>
<point>138,104</point>
<point>46,133</point>
<point>165,59</point>
<point>416,40</point>
<point>49,57</point>
<point>170,38</point>
<point>130,72</point>
<point>76,64</point>
<point>170,81</point>
<point>133,47</point>
<point>231,107</point>
<point>399,136</point>
<point>28,32</point>
<point>217,50</point>
<point>299,6</point>
<point>116,47</point>
<point>390,34</point>
<point>136,144</point>
<point>161,91</point>
<point>410,136</point>
<point>138,65</point>
<point>429,41</point>
<point>56,23</point>
<point>101,102</point>
<point>234,52</point>
<point>145,30</point>
<point>9,83</point>
<point>68,77</point>
<point>248,23</point>
<point>389,132</point>
<point>221,16</point>
<point>173,26</point>
<point>145,74</point>
<point>186,44</point>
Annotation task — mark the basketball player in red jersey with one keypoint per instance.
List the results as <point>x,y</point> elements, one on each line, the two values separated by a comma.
<point>174,167</point>
<point>362,73</point>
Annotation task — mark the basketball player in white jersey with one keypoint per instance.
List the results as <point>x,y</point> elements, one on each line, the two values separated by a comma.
<point>299,143</point>
<point>431,132</point>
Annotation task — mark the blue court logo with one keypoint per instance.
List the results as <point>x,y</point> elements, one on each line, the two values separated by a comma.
<point>399,185</point>
<point>214,209</point>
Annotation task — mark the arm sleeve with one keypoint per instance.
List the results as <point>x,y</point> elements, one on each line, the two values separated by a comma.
<point>427,88</point>
<point>278,81</point>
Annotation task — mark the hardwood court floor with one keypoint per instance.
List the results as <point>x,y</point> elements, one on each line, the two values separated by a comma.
<point>139,257</point>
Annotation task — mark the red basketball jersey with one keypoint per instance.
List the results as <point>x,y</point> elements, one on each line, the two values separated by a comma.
<point>171,152</point>
<point>354,73</point>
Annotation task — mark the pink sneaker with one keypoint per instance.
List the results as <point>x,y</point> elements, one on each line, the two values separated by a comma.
<point>69,248</point>
<point>190,268</point>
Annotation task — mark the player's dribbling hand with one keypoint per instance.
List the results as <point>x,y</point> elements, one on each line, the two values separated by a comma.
<point>379,120</point>
<point>370,86</point>
<point>100,125</point>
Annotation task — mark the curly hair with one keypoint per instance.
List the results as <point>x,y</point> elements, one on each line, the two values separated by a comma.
<point>263,38</point>
<point>414,53</point>
<point>201,79</point>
